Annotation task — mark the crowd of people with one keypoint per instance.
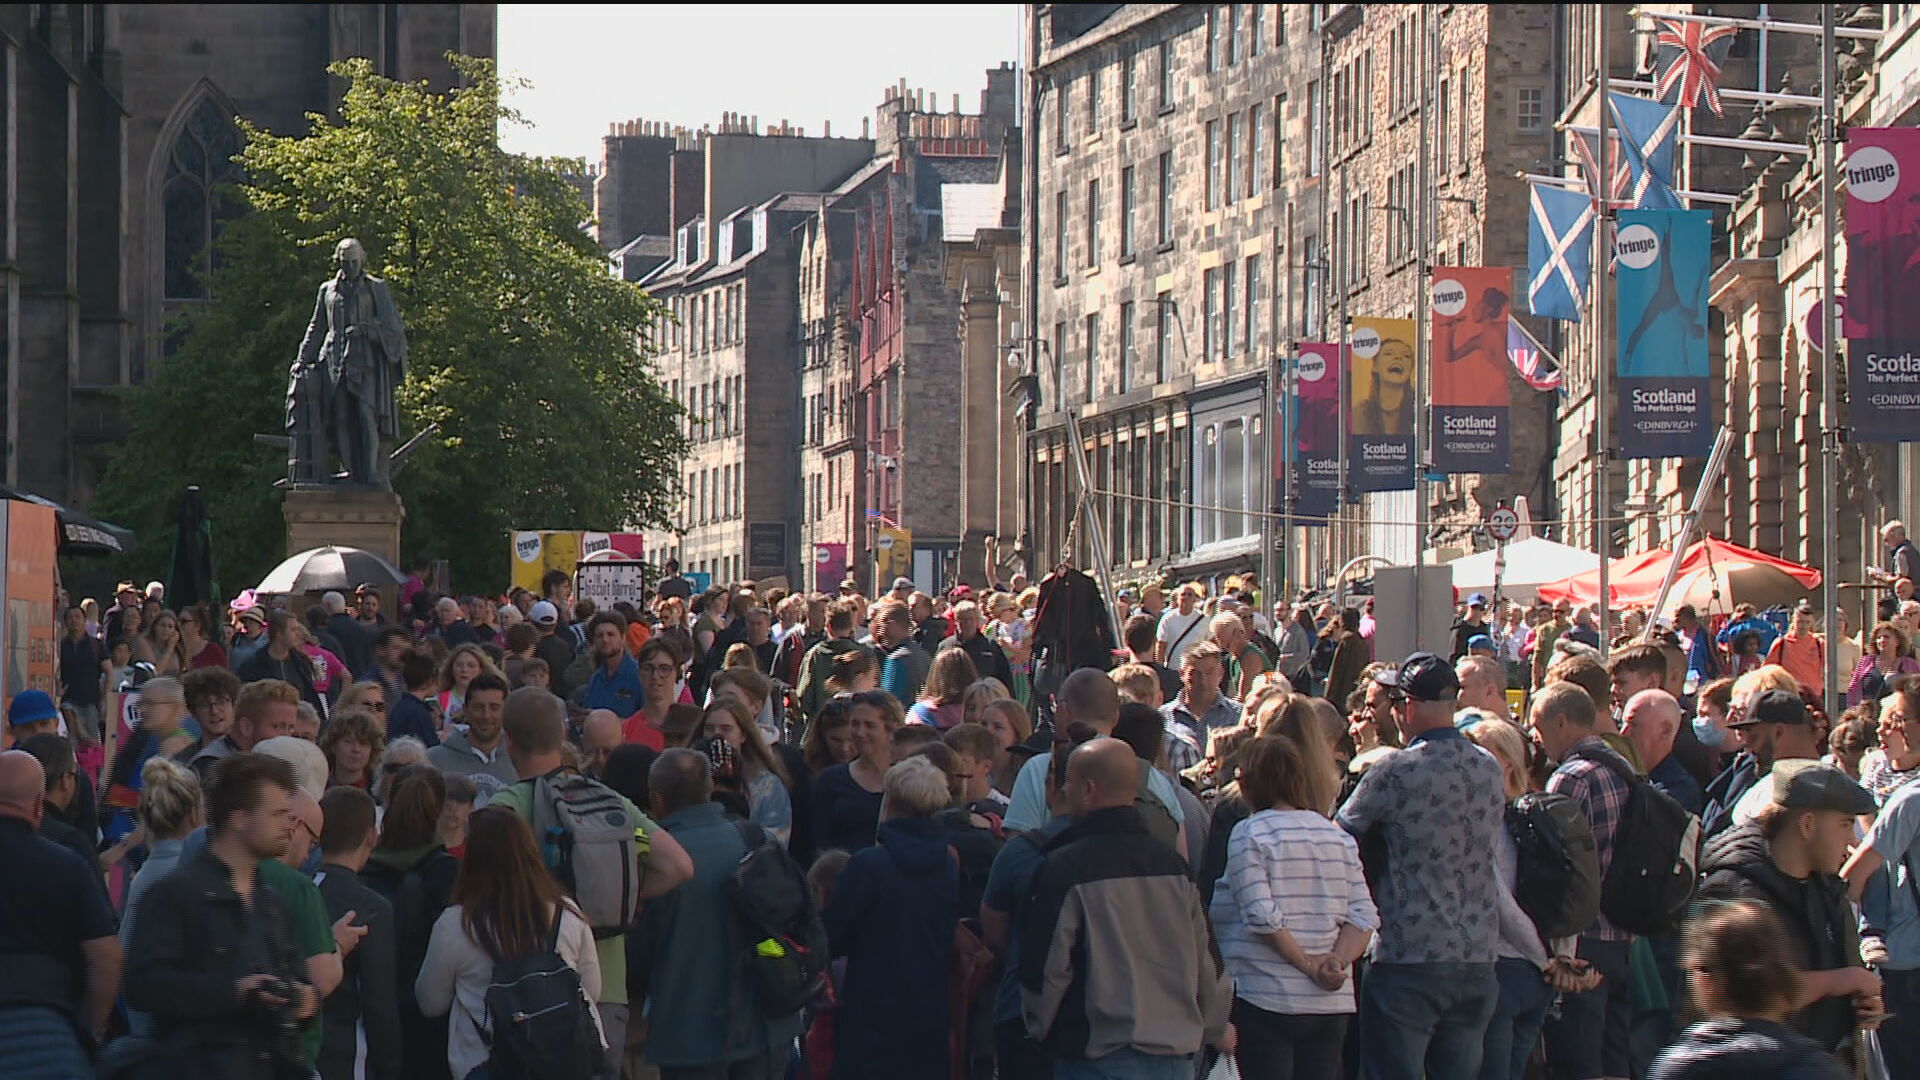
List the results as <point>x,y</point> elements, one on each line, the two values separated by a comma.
<point>744,834</point>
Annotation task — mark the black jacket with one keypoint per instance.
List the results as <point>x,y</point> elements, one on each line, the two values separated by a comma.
<point>1071,628</point>
<point>369,994</point>
<point>419,885</point>
<point>1738,865</point>
<point>1730,1049</point>
<point>356,643</point>
<point>187,953</point>
<point>989,659</point>
<point>296,671</point>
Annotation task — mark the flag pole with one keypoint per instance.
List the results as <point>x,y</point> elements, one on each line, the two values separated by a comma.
<point>1420,225</point>
<point>1602,362</point>
<point>1829,345</point>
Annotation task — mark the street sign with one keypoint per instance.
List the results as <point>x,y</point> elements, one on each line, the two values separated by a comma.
<point>1502,523</point>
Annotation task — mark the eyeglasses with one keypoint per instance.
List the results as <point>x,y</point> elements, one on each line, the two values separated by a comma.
<point>301,823</point>
<point>659,669</point>
<point>375,706</point>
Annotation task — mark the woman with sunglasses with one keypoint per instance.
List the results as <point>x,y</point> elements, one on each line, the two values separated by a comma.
<point>200,649</point>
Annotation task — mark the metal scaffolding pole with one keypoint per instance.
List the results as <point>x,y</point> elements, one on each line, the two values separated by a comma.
<point>1829,345</point>
<point>1602,360</point>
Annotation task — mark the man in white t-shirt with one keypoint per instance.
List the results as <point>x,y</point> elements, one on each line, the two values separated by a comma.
<point>1180,627</point>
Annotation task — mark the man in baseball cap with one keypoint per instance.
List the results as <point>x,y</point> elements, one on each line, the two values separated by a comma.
<point>902,588</point>
<point>1776,728</point>
<point>32,712</point>
<point>1424,677</point>
<point>1468,626</point>
<point>1788,860</point>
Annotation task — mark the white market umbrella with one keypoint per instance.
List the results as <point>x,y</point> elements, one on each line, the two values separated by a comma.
<point>1530,562</point>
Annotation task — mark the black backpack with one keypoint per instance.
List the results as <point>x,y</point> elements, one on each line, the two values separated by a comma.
<point>539,1023</point>
<point>1557,878</point>
<point>785,947</point>
<point>1656,856</point>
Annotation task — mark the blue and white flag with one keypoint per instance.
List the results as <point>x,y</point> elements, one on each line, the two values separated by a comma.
<point>1649,132</point>
<point>1559,251</point>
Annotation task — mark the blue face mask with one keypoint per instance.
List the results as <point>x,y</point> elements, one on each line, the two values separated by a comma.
<point>1711,737</point>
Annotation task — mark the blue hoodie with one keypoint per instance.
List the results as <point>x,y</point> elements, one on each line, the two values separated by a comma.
<point>892,916</point>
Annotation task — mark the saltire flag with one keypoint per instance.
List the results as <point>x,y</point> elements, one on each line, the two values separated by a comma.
<point>1536,366</point>
<point>1559,251</point>
<point>1649,132</point>
<point>1585,150</point>
<point>1688,56</point>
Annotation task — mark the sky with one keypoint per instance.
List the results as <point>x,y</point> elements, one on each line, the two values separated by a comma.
<point>592,65</point>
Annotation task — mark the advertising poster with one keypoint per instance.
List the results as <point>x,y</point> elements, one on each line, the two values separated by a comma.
<point>1881,316</point>
<point>537,551</point>
<point>1316,431</point>
<point>1666,398</point>
<point>30,632</point>
<point>892,555</point>
<point>1380,405</point>
<point>1471,425</point>
<point>829,567</point>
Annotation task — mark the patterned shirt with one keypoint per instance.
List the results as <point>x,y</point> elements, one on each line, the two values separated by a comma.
<point>1602,792</point>
<point>1441,805</point>
<point>1185,739</point>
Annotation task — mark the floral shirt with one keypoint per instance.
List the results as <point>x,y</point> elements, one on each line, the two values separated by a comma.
<point>1011,634</point>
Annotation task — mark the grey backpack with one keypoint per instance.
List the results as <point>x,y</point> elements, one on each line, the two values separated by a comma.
<point>591,843</point>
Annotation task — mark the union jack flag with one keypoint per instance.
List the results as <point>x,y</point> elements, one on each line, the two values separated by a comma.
<point>1536,368</point>
<point>1689,55</point>
<point>1622,186</point>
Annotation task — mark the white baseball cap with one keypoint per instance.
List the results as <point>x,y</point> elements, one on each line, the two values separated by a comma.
<point>544,612</point>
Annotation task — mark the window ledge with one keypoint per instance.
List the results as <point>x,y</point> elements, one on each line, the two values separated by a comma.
<point>1128,260</point>
<point>1164,110</point>
<point>1130,124</point>
<point>1164,248</point>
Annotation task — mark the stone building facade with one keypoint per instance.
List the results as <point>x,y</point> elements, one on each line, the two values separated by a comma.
<point>1189,224</point>
<point>120,124</point>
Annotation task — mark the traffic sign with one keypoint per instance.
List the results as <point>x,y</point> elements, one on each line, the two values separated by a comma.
<point>1502,523</point>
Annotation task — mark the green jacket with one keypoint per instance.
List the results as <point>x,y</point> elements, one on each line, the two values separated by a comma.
<point>817,666</point>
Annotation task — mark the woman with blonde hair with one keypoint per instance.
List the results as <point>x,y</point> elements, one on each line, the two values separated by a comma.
<point>370,696</point>
<point>1522,960</point>
<point>463,664</point>
<point>169,811</point>
<point>753,770</point>
<point>1012,631</point>
<point>1293,716</point>
<point>947,680</point>
<point>984,691</point>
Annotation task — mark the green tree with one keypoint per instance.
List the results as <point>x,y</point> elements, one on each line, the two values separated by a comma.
<point>523,346</point>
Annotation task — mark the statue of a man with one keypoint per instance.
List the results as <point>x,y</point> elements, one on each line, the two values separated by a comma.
<point>340,399</point>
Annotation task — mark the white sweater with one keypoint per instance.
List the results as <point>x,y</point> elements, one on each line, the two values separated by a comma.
<point>456,973</point>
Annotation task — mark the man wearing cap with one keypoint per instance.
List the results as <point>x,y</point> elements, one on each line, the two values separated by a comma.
<point>1589,1036</point>
<point>30,713</point>
<point>250,631</point>
<point>1801,651</point>
<point>1438,806</point>
<point>1890,905</point>
<point>1544,637</point>
<point>1789,858</point>
<point>1470,626</point>
<point>553,646</point>
<point>125,595</point>
<point>1776,728</point>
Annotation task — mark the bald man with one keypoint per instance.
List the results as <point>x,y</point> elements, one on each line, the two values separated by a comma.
<point>1087,696</point>
<point>1105,889</point>
<point>1651,722</point>
<point>63,958</point>
<point>600,736</point>
<point>1483,685</point>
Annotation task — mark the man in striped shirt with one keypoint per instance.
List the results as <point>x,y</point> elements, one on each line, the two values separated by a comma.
<point>1588,1037</point>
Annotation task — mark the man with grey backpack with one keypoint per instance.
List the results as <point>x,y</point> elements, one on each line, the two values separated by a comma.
<point>606,853</point>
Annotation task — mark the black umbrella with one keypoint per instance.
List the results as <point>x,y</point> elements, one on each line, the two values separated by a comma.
<point>322,568</point>
<point>79,533</point>
<point>190,574</point>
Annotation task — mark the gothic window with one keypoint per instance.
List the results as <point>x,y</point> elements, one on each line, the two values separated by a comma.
<point>194,200</point>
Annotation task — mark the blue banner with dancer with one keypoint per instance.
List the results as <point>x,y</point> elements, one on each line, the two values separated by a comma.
<point>1666,396</point>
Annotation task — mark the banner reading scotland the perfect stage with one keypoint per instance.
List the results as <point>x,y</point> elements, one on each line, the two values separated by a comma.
<point>1666,401</point>
<point>1380,405</point>
<point>1470,404</point>
<point>1881,317</point>
<point>1316,431</point>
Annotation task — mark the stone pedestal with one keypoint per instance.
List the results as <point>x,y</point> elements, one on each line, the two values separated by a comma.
<point>345,517</point>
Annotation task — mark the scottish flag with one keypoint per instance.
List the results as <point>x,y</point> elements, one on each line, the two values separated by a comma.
<point>1649,132</point>
<point>1559,251</point>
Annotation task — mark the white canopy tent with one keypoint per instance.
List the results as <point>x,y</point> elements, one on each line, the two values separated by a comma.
<point>1530,562</point>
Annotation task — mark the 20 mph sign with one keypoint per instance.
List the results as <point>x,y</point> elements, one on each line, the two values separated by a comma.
<point>1502,523</point>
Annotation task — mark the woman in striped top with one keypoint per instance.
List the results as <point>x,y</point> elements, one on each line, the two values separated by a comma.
<point>1292,915</point>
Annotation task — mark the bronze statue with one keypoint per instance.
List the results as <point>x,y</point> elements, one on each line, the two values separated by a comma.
<point>340,398</point>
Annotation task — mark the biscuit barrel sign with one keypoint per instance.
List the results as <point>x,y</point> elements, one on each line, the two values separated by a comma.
<point>1470,404</point>
<point>1666,395</point>
<point>1881,317</point>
